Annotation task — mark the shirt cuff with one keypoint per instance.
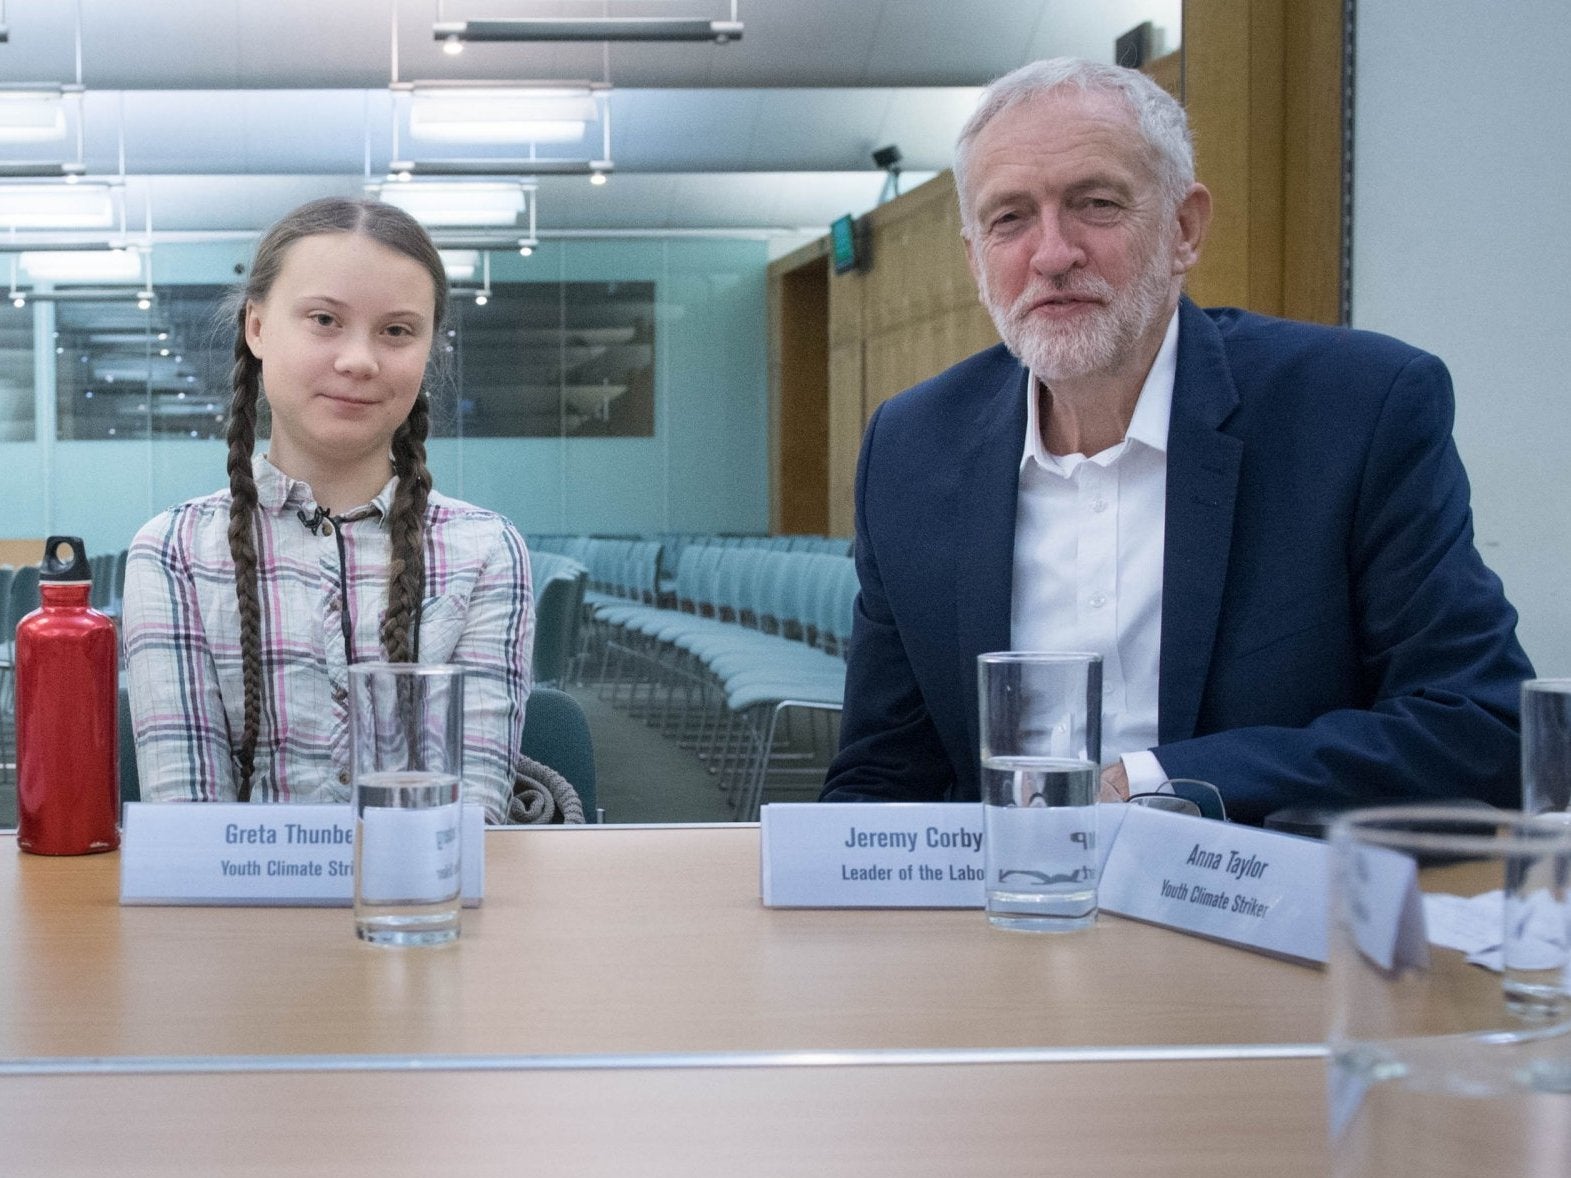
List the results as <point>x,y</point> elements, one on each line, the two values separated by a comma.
<point>1145,773</point>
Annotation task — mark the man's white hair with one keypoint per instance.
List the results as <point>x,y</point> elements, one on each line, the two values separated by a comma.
<point>1158,115</point>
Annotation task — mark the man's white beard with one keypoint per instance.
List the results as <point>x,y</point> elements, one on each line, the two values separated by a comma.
<point>1101,340</point>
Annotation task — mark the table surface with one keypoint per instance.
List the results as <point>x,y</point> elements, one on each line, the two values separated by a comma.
<point>1184,1119</point>
<point>617,942</point>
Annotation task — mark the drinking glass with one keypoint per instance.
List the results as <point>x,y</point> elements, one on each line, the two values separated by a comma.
<point>1450,1000</point>
<point>1546,747</point>
<point>406,729</point>
<point>1041,745</point>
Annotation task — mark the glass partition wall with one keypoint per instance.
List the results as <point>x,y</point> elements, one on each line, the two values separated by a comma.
<point>600,386</point>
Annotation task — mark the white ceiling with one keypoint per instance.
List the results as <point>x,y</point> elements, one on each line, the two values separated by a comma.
<point>229,112</point>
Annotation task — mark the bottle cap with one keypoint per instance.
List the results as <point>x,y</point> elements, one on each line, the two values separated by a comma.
<point>74,568</point>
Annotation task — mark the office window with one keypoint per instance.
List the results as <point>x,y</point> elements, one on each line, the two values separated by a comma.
<point>551,359</point>
<point>122,372</point>
<point>540,359</point>
<point>18,421</point>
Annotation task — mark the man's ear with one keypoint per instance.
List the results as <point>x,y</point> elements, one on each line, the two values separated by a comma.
<point>965,240</point>
<point>1194,219</point>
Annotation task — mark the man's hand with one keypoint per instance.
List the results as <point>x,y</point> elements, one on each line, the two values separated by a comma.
<point>1115,784</point>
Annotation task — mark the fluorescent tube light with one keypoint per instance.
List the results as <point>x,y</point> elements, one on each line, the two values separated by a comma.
<point>82,266</point>
<point>501,115</point>
<point>56,206</point>
<point>402,169</point>
<point>456,204</point>
<point>31,116</point>
<point>603,28</point>
<point>460,264</point>
<point>45,169</point>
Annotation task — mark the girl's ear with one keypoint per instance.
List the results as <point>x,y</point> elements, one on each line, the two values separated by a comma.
<point>253,328</point>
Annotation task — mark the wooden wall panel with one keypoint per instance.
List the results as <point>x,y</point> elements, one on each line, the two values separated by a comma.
<point>1314,263</point>
<point>910,316</point>
<point>1265,144</point>
<point>1263,87</point>
<point>845,433</point>
<point>846,345</point>
<point>800,503</point>
<point>1233,92</point>
<point>909,353</point>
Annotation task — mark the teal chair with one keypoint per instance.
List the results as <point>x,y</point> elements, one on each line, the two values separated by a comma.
<point>556,733</point>
<point>130,784</point>
<point>23,596</point>
<point>558,607</point>
<point>7,574</point>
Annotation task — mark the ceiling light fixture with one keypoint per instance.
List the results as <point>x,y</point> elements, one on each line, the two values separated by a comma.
<point>471,204</point>
<point>33,114</point>
<point>593,28</point>
<point>57,206</point>
<point>99,265</point>
<point>597,177</point>
<point>460,264</point>
<point>486,112</point>
<point>71,173</point>
<point>402,170</point>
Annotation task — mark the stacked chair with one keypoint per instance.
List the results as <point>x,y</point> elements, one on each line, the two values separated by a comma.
<point>559,585</point>
<point>737,651</point>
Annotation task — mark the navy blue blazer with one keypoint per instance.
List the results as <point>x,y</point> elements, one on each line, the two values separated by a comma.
<point>1330,635</point>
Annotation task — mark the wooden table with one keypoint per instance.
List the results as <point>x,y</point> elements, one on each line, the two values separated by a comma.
<point>1235,1119</point>
<point>606,941</point>
<point>623,1004</point>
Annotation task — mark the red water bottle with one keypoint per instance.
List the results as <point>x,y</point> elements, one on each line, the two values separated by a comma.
<point>67,713</point>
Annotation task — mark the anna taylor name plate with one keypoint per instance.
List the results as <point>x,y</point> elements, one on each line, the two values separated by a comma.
<point>1256,888</point>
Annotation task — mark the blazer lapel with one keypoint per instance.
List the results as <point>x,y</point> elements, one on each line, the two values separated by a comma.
<point>984,538</point>
<point>1202,485</point>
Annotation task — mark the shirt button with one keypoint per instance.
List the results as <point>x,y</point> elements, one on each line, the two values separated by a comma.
<point>339,695</point>
<point>327,528</point>
<point>343,777</point>
<point>1099,504</point>
<point>1097,600</point>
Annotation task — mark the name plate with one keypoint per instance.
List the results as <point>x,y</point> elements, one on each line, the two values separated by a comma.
<point>242,854</point>
<point>871,855</point>
<point>1255,888</point>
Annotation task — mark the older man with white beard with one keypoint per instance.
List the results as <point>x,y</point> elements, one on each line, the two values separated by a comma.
<point>1261,526</point>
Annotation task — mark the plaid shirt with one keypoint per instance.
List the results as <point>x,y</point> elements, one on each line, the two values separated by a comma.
<point>182,641</point>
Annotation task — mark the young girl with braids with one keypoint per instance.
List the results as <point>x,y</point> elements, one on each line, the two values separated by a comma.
<point>244,609</point>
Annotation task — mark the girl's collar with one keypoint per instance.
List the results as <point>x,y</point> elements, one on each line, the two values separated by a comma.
<point>276,492</point>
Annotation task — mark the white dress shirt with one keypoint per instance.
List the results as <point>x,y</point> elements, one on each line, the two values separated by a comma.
<point>1088,561</point>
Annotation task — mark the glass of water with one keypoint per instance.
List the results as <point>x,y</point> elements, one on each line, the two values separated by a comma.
<point>1041,745</point>
<point>1450,998</point>
<point>406,730</point>
<point>1546,747</point>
